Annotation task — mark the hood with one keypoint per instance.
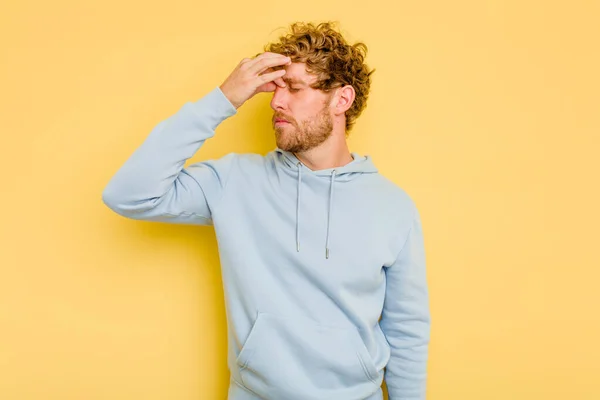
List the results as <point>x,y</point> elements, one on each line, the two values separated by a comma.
<point>360,165</point>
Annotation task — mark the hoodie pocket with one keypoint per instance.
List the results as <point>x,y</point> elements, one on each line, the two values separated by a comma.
<point>290,359</point>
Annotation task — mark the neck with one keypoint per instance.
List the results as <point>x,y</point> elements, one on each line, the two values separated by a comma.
<point>329,154</point>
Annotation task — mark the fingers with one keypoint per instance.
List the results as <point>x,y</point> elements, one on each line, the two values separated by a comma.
<point>273,76</point>
<point>278,81</point>
<point>261,73</point>
<point>261,55</point>
<point>260,64</point>
<point>267,87</point>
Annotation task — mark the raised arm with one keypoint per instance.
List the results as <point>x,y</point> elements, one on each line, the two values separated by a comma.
<point>153,183</point>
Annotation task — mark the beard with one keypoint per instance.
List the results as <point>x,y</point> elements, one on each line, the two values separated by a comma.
<point>297,138</point>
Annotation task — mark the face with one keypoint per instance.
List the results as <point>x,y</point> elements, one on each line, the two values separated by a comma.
<point>305,112</point>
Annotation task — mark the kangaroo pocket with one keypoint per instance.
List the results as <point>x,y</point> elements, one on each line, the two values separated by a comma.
<point>285,358</point>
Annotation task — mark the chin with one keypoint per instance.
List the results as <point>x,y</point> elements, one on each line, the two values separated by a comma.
<point>284,145</point>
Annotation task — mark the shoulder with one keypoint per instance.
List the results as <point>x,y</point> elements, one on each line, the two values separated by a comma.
<point>392,193</point>
<point>242,159</point>
<point>238,163</point>
<point>246,160</point>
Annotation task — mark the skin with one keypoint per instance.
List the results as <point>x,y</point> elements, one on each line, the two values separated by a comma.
<point>316,128</point>
<point>316,122</point>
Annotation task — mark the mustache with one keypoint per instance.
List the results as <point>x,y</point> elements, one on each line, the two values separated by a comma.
<point>282,117</point>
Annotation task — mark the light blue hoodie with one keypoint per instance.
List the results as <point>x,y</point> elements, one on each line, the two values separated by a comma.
<point>310,261</point>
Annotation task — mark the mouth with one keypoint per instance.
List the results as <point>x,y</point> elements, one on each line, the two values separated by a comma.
<point>280,121</point>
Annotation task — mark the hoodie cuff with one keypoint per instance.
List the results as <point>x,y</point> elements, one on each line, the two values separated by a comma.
<point>214,107</point>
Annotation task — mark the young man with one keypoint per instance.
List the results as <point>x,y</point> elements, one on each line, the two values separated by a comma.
<point>322,257</point>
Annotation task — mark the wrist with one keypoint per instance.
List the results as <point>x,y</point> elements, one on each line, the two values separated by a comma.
<point>229,97</point>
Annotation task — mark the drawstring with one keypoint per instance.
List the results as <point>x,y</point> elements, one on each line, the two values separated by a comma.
<point>299,165</point>
<point>298,209</point>
<point>329,214</point>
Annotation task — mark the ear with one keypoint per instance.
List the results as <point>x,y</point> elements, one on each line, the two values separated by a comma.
<point>343,99</point>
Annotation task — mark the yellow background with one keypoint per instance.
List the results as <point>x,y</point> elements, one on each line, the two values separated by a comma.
<point>485,112</point>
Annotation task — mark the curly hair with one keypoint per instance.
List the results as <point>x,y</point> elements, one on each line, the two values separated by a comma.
<point>328,56</point>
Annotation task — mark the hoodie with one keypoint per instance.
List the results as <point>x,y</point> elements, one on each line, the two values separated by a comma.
<point>323,271</point>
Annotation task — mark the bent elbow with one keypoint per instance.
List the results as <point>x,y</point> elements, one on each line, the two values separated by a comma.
<point>112,199</point>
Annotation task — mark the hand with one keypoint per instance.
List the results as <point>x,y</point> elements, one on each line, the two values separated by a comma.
<point>254,75</point>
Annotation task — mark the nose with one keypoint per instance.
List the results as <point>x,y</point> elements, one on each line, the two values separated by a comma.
<point>278,100</point>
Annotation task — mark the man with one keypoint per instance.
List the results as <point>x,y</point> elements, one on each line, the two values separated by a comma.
<point>322,257</point>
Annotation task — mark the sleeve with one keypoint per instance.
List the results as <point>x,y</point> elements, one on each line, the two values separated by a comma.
<point>153,184</point>
<point>405,319</point>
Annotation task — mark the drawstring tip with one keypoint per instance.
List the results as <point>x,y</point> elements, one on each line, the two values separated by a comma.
<point>298,247</point>
<point>327,253</point>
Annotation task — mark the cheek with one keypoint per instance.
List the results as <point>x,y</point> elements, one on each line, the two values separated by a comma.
<point>301,111</point>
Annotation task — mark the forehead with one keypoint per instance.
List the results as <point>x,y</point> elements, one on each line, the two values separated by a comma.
<point>296,73</point>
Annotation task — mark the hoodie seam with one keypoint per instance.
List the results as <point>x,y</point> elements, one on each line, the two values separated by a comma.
<point>219,201</point>
<point>412,219</point>
<point>189,214</point>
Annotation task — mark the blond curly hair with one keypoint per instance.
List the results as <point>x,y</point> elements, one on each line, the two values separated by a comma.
<point>328,56</point>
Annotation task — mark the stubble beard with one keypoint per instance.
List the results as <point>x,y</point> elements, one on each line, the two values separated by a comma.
<point>308,135</point>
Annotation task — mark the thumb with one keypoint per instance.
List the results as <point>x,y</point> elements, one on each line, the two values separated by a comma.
<point>267,87</point>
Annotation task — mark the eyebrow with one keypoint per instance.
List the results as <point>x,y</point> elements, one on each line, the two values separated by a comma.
<point>291,81</point>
